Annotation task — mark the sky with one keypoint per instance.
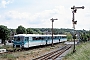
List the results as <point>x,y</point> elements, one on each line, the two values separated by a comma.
<point>38,13</point>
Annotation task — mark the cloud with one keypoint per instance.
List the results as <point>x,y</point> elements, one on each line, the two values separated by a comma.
<point>3,3</point>
<point>39,16</point>
<point>41,19</point>
<point>17,15</point>
<point>82,17</point>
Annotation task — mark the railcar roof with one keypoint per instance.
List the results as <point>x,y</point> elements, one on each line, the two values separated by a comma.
<point>36,35</point>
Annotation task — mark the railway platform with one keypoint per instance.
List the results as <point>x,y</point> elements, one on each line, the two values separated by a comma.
<point>70,43</point>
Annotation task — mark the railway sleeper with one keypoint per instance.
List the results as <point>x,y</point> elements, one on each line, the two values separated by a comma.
<point>53,54</point>
<point>58,54</point>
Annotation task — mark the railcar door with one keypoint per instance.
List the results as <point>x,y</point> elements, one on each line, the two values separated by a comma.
<point>26,45</point>
<point>43,40</point>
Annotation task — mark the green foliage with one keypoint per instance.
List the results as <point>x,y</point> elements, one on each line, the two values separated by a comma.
<point>82,52</point>
<point>4,33</point>
<point>36,30</point>
<point>84,37</point>
<point>88,34</point>
<point>29,31</point>
<point>21,30</point>
<point>12,31</point>
<point>69,37</point>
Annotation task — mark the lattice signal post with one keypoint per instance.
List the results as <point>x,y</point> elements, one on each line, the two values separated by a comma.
<point>74,10</point>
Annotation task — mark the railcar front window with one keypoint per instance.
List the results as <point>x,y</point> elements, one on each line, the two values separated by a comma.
<point>18,38</point>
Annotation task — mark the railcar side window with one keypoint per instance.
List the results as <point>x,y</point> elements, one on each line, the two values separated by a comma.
<point>33,38</point>
<point>43,38</point>
<point>63,36</point>
<point>38,38</point>
<point>26,38</point>
<point>49,37</point>
<point>21,38</point>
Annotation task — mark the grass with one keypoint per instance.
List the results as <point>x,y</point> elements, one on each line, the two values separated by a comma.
<point>27,55</point>
<point>7,56</point>
<point>7,47</point>
<point>82,52</point>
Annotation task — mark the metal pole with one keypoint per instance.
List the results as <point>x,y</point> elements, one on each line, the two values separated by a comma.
<point>74,45</point>
<point>52,29</point>
<point>75,22</point>
<point>52,32</point>
<point>74,30</point>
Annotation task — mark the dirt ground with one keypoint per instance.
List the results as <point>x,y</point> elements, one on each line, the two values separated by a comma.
<point>33,53</point>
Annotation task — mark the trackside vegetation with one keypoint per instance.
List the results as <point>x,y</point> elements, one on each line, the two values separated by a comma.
<point>82,52</point>
<point>7,34</point>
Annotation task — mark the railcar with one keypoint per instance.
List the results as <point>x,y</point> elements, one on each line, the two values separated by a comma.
<point>30,40</point>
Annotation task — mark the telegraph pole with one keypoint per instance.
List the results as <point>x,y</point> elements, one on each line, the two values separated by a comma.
<point>52,28</point>
<point>74,9</point>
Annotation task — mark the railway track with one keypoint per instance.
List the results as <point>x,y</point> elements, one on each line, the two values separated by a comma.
<point>54,54</point>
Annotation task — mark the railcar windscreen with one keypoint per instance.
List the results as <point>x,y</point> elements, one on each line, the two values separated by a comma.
<point>18,38</point>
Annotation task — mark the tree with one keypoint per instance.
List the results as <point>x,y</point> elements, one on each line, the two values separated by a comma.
<point>69,37</point>
<point>83,37</point>
<point>29,31</point>
<point>4,33</point>
<point>36,31</point>
<point>21,30</point>
<point>12,31</point>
